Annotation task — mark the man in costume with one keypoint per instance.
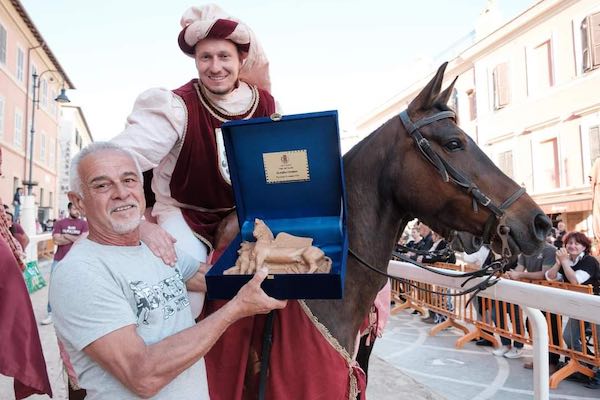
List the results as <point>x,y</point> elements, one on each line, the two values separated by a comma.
<point>120,311</point>
<point>176,133</point>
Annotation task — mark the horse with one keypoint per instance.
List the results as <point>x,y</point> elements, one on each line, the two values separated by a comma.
<point>416,165</point>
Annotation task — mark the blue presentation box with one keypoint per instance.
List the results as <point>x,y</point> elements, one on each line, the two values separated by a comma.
<point>288,172</point>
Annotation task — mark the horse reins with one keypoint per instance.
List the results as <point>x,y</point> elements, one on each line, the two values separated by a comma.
<point>497,216</point>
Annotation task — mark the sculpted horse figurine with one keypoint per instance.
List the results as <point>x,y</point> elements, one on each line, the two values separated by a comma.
<point>417,165</point>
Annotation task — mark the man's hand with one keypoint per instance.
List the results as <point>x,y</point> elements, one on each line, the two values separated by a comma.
<point>159,241</point>
<point>251,299</point>
<point>514,275</point>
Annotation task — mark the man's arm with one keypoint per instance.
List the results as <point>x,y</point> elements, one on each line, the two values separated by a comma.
<point>63,238</point>
<point>197,283</point>
<point>145,370</point>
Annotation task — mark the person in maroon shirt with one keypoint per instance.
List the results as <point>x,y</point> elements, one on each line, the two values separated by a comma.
<point>65,232</point>
<point>21,355</point>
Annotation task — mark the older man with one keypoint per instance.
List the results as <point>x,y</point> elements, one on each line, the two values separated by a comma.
<point>121,312</point>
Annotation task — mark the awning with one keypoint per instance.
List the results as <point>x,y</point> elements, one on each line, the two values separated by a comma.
<point>567,207</point>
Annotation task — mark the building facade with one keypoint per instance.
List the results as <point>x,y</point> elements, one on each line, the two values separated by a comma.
<point>23,53</point>
<point>74,135</point>
<point>527,93</point>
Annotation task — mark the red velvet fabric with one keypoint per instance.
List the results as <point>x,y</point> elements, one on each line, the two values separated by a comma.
<point>20,349</point>
<point>196,179</point>
<point>303,363</point>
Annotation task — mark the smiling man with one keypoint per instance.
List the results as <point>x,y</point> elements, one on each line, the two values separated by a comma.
<point>176,133</point>
<point>120,311</point>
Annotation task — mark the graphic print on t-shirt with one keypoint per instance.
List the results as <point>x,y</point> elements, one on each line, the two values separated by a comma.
<point>168,295</point>
<point>71,230</point>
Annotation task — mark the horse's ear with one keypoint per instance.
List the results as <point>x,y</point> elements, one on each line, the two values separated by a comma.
<point>445,95</point>
<point>429,94</point>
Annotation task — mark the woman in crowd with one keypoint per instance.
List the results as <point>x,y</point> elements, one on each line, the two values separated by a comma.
<point>575,265</point>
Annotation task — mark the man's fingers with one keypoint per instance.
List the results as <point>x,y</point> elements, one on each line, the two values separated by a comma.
<point>260,276</point>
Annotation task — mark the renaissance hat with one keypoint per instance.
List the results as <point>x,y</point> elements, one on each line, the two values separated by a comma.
<point>210,21</point>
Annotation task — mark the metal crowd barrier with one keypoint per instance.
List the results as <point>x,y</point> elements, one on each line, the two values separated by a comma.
<point>490,317</point>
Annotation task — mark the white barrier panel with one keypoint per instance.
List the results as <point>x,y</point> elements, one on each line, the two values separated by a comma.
<point>558,301</point>
<point>531,298</point>
<point>32,247</point>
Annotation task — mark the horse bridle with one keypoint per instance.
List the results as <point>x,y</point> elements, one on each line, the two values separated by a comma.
<point>448,172</point>
<point>497,216</point>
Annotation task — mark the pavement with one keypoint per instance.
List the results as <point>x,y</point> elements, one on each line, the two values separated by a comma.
<point>470,373</point>
<point>406,363</point>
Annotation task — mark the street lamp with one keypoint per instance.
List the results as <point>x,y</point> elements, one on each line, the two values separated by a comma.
<point>35,99</point>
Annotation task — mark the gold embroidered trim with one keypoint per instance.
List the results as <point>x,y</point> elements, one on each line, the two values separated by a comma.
<point>222,115</point>
<point>205,241</point>
<point>353,385</point>
<point>185,126</point>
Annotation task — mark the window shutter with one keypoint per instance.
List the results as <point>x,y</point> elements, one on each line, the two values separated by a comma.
<point>594,143</point>
<point>505,162</point>
<point>594,29</point>
<point>501,86</point>
<point>2,45</point>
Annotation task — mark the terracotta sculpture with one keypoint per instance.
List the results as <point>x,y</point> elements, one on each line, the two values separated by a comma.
<point>285,254</point>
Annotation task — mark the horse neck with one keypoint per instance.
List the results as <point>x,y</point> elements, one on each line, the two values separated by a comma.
<point>374,220</point>
<point>374,216</point>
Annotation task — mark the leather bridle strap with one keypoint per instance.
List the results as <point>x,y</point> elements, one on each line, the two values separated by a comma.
<point>448,172</point>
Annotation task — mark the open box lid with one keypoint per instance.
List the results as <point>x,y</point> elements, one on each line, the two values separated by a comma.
<point>288,172</point>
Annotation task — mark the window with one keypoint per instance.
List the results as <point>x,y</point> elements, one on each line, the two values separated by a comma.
<point>43,147</point>
<point>53,107</point>
<point>41,203</point>
<point>501,86</point>
<point>2,102</point>
<point>52,154</point>
<point>20,64</point>
<point>18,139</point>
<point>50,199</point>
<point>594,143</point>
<point>590,41</point>
<point>505,163</point>
<point>472,104</point>
<point>44,93</point>
<point>546,168</point>
<point>78,140</point>
<point>540,67</point>
<point>454,102</point>
<point>2,45</point>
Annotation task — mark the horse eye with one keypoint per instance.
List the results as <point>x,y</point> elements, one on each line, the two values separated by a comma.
<point>453,145</point>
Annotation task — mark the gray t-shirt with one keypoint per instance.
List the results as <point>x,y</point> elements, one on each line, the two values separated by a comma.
<point>97,289</point>
<point>539,262</point>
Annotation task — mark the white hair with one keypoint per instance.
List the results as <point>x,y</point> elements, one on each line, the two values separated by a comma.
<point>92,148</point>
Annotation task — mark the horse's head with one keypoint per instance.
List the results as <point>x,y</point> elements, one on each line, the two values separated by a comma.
<point>453,184</point>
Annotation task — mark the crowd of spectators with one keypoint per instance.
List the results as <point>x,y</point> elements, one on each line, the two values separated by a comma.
<point>566,256</point>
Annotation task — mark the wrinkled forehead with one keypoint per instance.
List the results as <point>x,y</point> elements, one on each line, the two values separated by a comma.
<point>108,163</point>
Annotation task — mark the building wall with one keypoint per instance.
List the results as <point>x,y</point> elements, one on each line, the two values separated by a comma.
<point>540,136</point>
<point>23,56</point>
<point>74,135</point>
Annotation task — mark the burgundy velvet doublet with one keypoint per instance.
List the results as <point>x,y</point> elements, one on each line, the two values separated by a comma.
<point>196,179</point>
